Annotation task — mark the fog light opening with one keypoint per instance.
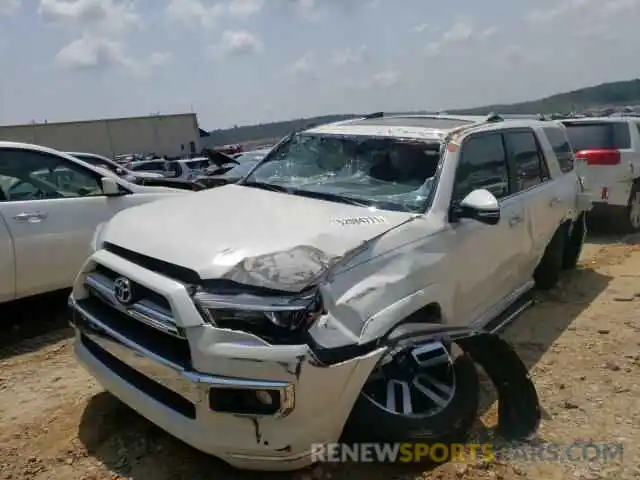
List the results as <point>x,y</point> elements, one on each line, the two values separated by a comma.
<point>245,401</point>
<point>264,397</point>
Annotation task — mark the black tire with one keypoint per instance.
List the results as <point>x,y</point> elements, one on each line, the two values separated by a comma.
<point>547,273</point>
<point>627,219</point>
<point>574,243</point>
<point>369,422</point>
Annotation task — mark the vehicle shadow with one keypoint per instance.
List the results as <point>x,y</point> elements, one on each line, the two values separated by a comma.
<point>29,324</point>
<point>537,329</point>
<point>612,239</point>
<point>129,445</point>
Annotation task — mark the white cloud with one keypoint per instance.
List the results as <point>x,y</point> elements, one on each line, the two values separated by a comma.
<point>386,78</point>
<point>349,56</point>
<point>311,10</point>
<point>581,10</point>
<point>305,66</point>
<point>460,33</point>
<point>237,42</point>
<point>488,32</point>
<point>102,15</point>
<point>9,7</point>
<point>94,52</point>
<point>245,8</point>
<point>191,12</point>
<point>422,27</point>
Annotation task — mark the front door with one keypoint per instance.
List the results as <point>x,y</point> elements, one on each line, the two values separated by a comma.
<point>487,258</point>
<point>51,207</point>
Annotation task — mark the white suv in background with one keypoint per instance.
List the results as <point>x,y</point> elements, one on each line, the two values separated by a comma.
<point>610,150</point>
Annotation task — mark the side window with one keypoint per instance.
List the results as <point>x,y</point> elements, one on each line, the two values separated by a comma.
<point>561,147</point>
<point>530,168</point>
<point>29,175</point>
<point>638,127</point>
<point>483,164</point>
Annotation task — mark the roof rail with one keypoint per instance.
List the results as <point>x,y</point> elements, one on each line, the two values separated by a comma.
<point>373,115</point>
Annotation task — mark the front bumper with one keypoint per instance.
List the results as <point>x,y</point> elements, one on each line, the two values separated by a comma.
<point>315,399</point>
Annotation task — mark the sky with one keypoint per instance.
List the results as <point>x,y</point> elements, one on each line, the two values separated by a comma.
<point>240,62</point>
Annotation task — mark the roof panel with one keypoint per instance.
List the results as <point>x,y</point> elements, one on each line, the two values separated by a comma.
<point>414,121</point>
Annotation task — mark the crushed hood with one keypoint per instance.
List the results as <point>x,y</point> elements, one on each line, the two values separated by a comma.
<point>250,236</point>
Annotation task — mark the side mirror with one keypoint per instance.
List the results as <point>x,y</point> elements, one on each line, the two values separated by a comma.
<point>110,187</point>
<point>480,205</point>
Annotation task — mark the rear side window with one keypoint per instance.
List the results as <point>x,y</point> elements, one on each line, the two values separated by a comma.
<point>530,166</point>
<point>561,147</point>
<point>598,135</point>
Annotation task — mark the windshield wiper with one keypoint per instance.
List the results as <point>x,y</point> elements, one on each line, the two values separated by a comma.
<point>332,197</point>
<point>267,186</point>
<point>309,193</point>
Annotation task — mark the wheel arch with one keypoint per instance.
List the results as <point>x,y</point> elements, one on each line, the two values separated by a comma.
<point>424,306</point>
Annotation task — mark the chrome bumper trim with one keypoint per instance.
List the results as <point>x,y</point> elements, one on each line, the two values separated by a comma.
<point>192,385</point>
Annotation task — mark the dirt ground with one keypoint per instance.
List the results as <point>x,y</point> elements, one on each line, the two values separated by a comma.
<point>581,343</point>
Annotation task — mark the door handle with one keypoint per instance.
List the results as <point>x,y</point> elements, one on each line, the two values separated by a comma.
<point>555,201</point>
<point>515,220</point>
<point>30,217</point>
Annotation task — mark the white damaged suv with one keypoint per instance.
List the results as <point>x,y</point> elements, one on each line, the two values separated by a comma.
<point>323,294</point>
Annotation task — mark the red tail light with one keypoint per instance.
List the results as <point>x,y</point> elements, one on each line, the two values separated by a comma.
<point>599,157</point>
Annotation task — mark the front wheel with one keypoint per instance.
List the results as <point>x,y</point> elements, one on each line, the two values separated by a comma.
<point>420,394</point>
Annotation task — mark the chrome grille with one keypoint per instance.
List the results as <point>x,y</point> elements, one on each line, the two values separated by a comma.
<point>150,308</point>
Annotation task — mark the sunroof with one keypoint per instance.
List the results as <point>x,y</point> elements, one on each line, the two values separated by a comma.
<point>423,122</point>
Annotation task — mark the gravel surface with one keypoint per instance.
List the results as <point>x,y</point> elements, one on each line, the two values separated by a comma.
<point>580,342</point>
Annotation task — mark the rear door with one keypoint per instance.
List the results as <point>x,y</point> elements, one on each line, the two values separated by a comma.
<point>544,201</point>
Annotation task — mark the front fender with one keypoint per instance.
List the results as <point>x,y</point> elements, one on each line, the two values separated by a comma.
<point>383,321</point>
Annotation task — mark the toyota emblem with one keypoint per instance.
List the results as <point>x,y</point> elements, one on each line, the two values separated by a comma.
<point>123,290</point>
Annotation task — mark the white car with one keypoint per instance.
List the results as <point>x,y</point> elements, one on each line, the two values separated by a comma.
<point>107,164</point>
<point>183,169</point>
<point>50,205</point>
<point>610,148</point>
<point>322,293</point>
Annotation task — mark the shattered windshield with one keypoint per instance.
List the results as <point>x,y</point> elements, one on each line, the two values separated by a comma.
<point>385,173</point>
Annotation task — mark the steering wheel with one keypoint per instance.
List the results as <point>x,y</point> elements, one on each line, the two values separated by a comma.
<point>32,194</point>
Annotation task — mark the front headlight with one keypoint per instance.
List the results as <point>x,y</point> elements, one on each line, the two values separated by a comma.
<point>98,235</point>
<point>270,317</point>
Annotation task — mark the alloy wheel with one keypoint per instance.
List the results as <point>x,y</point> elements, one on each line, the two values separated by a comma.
<point>416,382</point>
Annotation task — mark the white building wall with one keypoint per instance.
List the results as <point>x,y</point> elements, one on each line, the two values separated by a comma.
<point>163,135</point>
